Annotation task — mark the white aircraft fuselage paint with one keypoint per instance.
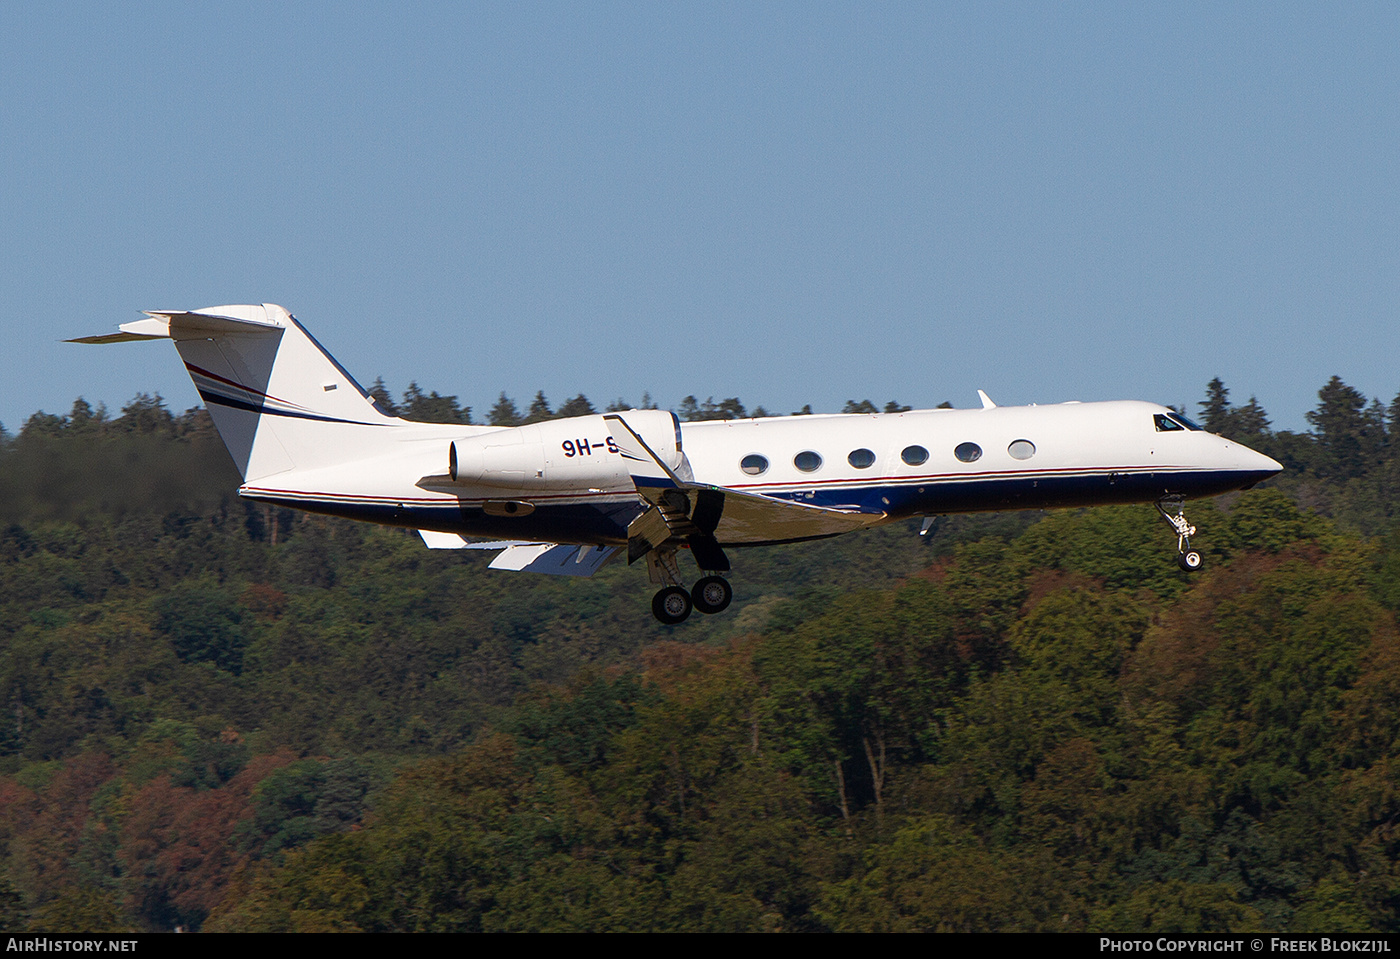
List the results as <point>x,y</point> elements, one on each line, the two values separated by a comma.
<point>304,434</point>
<point>1084,454</point>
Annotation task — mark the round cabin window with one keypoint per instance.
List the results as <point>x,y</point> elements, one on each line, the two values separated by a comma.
<point>968,452</point>
<point>807,461</point>
<point>754,464</point>
<point>861,459</point>
<point>914,455</point>
<point>1021,449</point>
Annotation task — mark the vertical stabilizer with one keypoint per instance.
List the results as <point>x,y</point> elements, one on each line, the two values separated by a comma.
<point>279,401</point>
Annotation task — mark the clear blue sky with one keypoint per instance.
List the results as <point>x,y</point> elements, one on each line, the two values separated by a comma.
<point>790,203</point>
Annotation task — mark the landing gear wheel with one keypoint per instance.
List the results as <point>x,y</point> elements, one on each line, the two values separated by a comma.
<point>712,594</point>
<point>671,605</point>
<point>1186,557</point>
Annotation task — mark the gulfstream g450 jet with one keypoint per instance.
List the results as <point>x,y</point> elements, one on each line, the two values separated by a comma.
<point>568,495</point>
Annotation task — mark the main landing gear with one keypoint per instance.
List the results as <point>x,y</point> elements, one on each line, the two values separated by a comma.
<point>1186,557</point>
<point>672,603</point>
<point>712,594</point>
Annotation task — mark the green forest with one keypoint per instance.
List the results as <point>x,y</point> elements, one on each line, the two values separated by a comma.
<point>219,716</point>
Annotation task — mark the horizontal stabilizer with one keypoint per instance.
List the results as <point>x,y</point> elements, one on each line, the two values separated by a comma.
<point>106,338</point>
<point>230,321</point>
<point>182,325</point>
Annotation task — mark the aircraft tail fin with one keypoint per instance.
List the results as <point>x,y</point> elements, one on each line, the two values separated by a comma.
<point>278,399</point>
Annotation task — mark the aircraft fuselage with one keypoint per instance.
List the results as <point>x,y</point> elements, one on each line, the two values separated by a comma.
<point>565,496</point>
<point>565,480</point>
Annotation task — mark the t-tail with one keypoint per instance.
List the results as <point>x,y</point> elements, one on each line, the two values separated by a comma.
<point>279,401</point>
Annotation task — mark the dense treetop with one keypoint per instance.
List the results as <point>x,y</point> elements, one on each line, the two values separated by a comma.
<point>222,716</point>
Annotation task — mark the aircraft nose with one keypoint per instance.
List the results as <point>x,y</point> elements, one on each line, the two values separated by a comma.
<point>1257,466</point>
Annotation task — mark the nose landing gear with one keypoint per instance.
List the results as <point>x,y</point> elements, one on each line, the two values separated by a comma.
<point>1186,557</point>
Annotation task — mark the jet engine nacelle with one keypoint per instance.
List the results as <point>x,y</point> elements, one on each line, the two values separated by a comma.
<point>574,453</point>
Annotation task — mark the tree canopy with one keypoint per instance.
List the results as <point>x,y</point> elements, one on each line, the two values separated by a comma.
<point>221,716</point>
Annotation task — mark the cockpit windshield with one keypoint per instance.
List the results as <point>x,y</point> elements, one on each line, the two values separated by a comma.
<point>1173,422</point>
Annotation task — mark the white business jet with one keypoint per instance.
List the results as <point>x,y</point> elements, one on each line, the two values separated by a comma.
<point>566,496</point>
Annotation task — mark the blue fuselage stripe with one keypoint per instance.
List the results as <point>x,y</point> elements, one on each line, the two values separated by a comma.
<point>605,521</point>
<point>263,409</point>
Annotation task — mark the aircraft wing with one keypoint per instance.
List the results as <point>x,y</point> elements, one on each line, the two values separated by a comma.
<point>747,517</point>
<point>708,516</point>
<point>434,540</point>
<point>555,560</point>
<point>552,559</point>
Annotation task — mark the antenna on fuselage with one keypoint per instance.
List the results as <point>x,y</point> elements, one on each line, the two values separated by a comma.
<point>987,403</point>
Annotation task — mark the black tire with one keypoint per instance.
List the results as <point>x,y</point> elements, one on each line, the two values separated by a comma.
<point>712,594</point>
<point>671,605</point>
<point>1189,560</point>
